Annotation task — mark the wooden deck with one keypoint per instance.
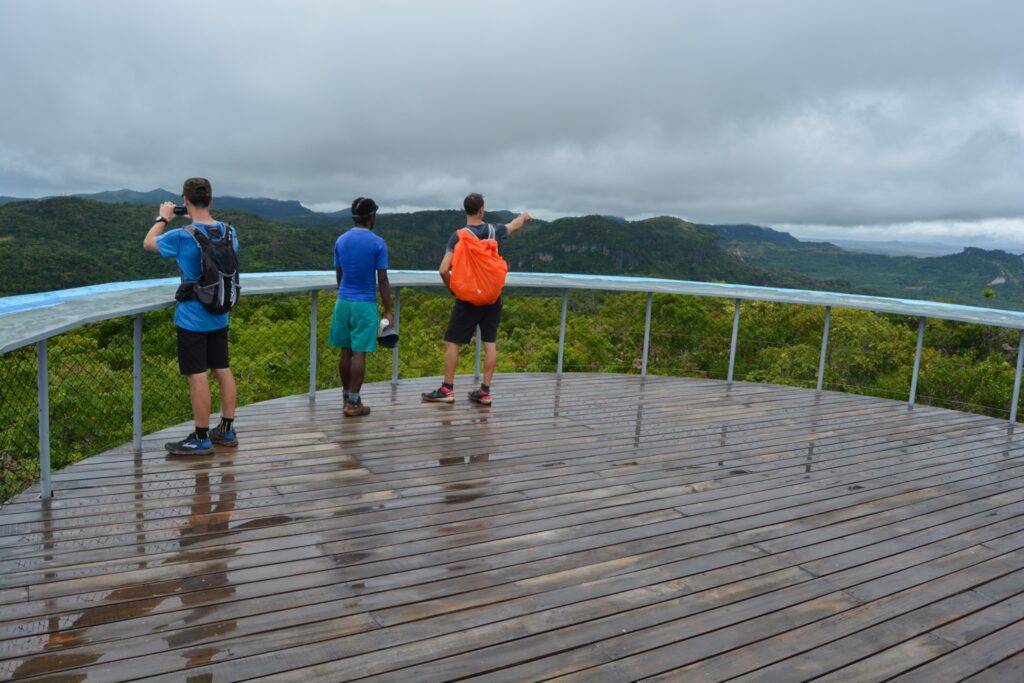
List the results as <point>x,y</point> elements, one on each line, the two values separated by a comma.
<point>594,528</point>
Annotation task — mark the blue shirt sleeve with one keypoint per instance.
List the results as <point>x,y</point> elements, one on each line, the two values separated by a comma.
<point>337,253</point>
<point>382,256</point>
<point>169,243</point>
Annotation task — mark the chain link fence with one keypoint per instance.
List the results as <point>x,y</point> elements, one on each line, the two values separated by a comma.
<point>964,367</point>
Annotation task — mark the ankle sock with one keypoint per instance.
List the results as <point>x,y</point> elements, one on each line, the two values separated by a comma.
<point>345,393</point>
<point>485,387</point>
<point>202,433</point>
<point>448,385</point>
<point>227,424</point>
<point>354,397</point>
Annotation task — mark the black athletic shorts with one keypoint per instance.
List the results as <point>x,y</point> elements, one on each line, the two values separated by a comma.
<point>202,351</point>
<point>465,318</point>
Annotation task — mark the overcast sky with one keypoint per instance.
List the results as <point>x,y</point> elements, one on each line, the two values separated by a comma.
<point>875,119</point>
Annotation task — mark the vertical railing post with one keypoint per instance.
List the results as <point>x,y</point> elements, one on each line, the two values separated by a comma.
<point>647,334</point>
<point>313,308</point>
<point>732,344</point>
<point>476,357</point>
<point>137,384</point>
<point>43,396</point>
<point>1016,380</point>
<point>824,347</point>
<point>394,352</point>
<point>561,330</point>
<point>917,362</point>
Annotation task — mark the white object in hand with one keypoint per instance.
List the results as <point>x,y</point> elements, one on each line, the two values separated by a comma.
<point>384,322</point>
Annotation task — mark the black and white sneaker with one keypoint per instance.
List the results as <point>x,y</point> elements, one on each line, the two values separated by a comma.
<point>190,445</point>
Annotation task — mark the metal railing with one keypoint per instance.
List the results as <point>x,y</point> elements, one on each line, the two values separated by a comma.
<point>35,318</point>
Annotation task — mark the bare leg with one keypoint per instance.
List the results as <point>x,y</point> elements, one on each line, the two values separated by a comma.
<point>228,392</point>
<point>451,361</point>
<point>357,370</point>
<point>199,392</point>
<point>345,368</point>
<point>490,361</point>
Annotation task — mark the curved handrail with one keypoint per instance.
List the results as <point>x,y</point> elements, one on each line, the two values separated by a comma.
<point>29,318</point>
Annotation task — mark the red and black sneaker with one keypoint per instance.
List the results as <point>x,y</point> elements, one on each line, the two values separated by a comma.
<point>440,395</point>
<point>481,395</point>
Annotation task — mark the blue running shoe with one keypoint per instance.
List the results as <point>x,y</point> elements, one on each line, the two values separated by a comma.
<point>441,395</point>
<point>190,445</point>
<point>225,436</point>
<point>481,395</point>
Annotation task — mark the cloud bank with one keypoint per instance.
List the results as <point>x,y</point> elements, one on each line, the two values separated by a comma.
<point>795,112</point>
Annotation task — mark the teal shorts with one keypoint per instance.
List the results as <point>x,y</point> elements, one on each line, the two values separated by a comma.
<point>354,325</point>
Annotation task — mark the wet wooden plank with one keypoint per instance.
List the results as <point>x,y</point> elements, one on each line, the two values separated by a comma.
<point>522,536</point>
<point>821,456</point>
<point>620,475</point>
<point>323,548</point>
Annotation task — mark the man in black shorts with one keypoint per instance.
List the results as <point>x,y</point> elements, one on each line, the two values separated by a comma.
<point>202,336</point>
<point>465,316</point>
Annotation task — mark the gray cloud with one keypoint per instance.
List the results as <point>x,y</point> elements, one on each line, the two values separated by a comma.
<point>801,112</point>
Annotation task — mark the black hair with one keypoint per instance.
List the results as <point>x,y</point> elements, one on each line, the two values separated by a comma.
<point>198,192</point>
<point>473,202</point>
<point>363,209</point>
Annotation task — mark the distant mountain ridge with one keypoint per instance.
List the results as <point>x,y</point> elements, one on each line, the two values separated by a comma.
<point>752,233</point>
<point>52,244</point>
<point>963,277</point>
<point>285,210</point>
<point>895,247</point>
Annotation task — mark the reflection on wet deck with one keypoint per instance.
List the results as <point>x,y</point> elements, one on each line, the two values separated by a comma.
<point>590,528</point>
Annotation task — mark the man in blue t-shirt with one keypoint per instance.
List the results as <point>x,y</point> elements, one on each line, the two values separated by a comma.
<point>361,267</point>
<point>202,336</point>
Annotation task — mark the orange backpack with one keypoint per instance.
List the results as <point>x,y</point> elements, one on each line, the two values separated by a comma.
<point>478,271</point>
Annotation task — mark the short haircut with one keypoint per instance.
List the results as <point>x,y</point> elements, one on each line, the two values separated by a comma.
<point>473,202</point>
<point>198,192</point>
<point>363,209</point>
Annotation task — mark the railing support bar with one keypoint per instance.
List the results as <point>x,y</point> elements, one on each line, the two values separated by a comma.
<point>137,384</point>
<point>397,302</point>
<point>561,331</point>
<point>1016,380</point>
<point>917,362</point>
<point>824,347</point>
<point>647,334</point>
<point>732,344</point>
<point>313,308</point>
<point>43,394</point>
<point>476,357</point>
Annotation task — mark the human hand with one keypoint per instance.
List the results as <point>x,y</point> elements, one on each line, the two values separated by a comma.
<point>167,211</point>
<point>527,218</point>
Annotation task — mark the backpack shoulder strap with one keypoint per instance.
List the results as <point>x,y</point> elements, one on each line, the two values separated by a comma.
<point>228,230</point>
<point>490,231</point>
<point>197,235</point>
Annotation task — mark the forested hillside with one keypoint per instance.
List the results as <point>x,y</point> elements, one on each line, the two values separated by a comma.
<point>67,242</point>
<point>962,278</point>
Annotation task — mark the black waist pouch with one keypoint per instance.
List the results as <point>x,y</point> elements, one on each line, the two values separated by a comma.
<point>186,292</point>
